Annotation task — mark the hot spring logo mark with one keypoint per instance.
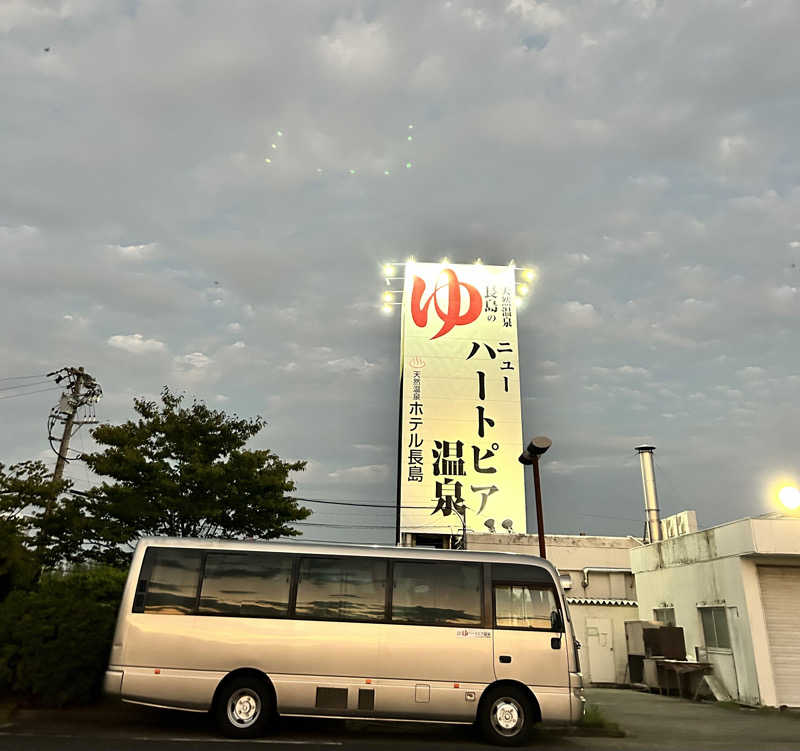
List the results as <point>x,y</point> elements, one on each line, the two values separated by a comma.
<point>452,315</point>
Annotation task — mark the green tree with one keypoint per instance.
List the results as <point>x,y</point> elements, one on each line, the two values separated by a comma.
<point>183,471</point>
<point>41,524</point>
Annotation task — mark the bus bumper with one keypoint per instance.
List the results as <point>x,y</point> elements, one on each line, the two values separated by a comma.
<point>577,699</point>
<point>112,685</point>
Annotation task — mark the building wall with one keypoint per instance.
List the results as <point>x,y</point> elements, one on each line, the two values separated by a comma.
<point>719,566</point>
<point>570,554</point>
<point>707,583</point>
<point>617,614</point>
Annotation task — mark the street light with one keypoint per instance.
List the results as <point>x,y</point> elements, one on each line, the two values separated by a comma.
<point>789,496</point>
<point>531,455</point>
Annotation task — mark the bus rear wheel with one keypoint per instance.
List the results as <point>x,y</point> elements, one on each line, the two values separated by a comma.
<point>243,707</point>
<point>506,716</point>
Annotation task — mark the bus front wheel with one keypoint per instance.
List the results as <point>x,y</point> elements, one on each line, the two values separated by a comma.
<point>243,707</point>
<point>506,716</point>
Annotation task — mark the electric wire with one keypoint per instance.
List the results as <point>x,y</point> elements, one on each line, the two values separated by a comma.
<point>29,393</point>
<point>22,378</point>
<point>23,385</point>
<point>355,503</point>
<point>345,526</point>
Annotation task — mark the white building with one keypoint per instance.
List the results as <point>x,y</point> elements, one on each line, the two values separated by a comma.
<point>735,591</point>
<point>602,596</point>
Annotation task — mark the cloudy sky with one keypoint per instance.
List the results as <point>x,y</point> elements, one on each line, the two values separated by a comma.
<point>641,154</point>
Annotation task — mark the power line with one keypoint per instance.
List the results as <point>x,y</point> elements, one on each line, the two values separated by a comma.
<point>29,393</point>
<point>348,503</point>
<point>22,385</point>
<point>22,378</point>
<point>355,503</point>
<point>334,542</point>
<point>347,526</point>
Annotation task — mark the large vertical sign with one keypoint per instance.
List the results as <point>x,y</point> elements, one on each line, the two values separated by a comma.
<point>461,417</point>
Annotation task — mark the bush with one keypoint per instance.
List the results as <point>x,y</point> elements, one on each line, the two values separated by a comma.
<point>18,565</point>
<point>56,638</point>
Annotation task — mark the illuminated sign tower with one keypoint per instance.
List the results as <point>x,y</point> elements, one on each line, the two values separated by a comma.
<point>460,409</point>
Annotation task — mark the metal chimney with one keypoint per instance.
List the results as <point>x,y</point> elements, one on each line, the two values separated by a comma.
<point>650,494</point>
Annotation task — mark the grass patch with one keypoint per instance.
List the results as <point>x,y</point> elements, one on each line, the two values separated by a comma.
<point>7,708</point>
<point>595,721</point>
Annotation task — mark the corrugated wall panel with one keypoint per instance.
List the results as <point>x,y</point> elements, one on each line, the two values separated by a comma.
<point>780,595</point>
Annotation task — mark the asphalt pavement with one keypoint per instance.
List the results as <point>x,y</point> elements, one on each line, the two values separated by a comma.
<point>650,721</point>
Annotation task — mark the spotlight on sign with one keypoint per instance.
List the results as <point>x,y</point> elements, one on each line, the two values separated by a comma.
<point>387,297</point>
<point>529,275</point>
<point>388,269</point>
<point>386,308</point>
<point>523,289</point>
<point>790,497</point>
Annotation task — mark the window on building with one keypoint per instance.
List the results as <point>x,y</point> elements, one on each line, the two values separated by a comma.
<point>168,582</point>
<point>715,627</point>
<point>436,593</point>
<point>520,606</point>
<point>348,589</point>
<point>664,615</point>
<point>255,585</point>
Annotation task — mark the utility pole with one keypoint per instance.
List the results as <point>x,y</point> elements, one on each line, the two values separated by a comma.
<point>83,391</point>
<point>68,423</point>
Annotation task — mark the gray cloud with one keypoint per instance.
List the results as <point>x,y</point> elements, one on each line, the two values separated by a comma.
<point>639,154</point>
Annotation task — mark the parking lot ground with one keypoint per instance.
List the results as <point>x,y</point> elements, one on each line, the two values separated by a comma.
<point>665,722</point>
<point>650,721</point>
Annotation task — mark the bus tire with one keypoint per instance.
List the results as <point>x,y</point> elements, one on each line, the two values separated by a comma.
<point>506,716</point>
<point>243,707</point>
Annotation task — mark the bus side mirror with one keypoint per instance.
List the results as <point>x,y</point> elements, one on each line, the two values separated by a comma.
<point>556,621</point>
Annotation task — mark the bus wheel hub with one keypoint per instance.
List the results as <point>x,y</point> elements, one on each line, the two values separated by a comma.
<point>507,716</point>
<point>244,708</point>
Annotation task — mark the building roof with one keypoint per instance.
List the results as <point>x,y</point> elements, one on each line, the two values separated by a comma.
<point>602,601</point>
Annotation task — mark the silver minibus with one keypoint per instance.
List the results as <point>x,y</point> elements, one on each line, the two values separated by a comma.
<point>251,630</point>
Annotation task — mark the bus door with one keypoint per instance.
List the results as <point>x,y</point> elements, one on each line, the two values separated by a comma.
<point>530,645</point>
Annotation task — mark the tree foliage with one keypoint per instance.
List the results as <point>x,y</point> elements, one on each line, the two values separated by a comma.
<point>184,471</point>
<point>41,525</point>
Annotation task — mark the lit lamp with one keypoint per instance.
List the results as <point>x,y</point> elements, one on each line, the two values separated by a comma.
<point>531,455</point>
<point>789,496</point>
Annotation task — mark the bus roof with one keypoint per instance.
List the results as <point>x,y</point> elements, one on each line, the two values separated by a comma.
<point>387,551</point>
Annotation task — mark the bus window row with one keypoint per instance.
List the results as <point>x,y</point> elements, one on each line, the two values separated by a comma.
<point>181,581</point>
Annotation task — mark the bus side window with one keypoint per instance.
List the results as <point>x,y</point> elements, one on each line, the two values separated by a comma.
<point>524,606</point>
<point>341,589</point>
<point>254,585</point>
<point>436,593</point>
<point>170,587</point>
